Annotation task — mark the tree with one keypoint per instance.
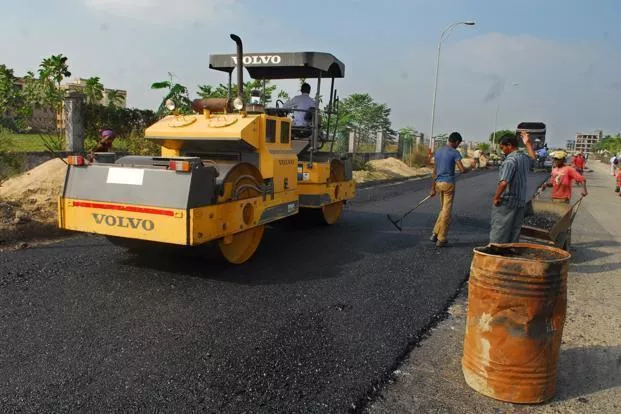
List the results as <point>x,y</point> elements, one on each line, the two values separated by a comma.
<point>408,134</point>
<point>500,134</point>
<point>221,90</point>
<point>114,98</point>
<point>94,90</point>
<point>52,71</point>
<point>9,92</point>
<point>177,93</point>
<point>484,147</point>
<point>609,144</point>
<point>362,115</point>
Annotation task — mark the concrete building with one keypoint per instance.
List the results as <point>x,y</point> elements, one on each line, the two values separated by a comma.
<point>120,96</point>
<point>584,142</point>
<point>570,145</point>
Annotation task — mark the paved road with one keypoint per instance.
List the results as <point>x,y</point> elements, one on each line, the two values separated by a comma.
<point>315,322</point>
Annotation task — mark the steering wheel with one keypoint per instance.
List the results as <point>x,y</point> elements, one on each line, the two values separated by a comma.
<point>281,102</point>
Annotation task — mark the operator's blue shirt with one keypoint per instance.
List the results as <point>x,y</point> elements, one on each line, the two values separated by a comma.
<point>445,159</point>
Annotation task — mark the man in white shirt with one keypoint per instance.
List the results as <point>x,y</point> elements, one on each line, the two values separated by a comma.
<point>614,162</point>
<point>303,102</point>
<point>477,158</point>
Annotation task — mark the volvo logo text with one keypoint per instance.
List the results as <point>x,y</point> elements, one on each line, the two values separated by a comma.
<point>259,59</point>
<point>124,222</point>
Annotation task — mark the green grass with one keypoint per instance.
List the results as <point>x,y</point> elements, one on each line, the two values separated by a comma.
<point>26,143</point>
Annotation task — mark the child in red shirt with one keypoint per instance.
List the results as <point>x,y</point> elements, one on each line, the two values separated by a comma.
<point>618,189</point>
<point>562,178</point>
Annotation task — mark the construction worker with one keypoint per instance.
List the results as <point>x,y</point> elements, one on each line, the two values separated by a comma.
<point>303,102</point>
<point>509,202</point>
<point>477,158</point>
<point>562,178</point>
<point>579,162</point>
<point>542,154</point>
<point>105,144</point>
<point>443,182</point>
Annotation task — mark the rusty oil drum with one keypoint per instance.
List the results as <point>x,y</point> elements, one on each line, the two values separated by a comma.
<point>517,301</point>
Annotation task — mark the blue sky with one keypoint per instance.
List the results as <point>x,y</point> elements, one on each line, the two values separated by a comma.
<point>565,56</point>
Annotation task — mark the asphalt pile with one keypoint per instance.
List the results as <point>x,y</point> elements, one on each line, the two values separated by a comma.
<point>541,221</point>
<point>521,253</point>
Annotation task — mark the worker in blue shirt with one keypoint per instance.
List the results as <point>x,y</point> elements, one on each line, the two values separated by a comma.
<point>443,184</point>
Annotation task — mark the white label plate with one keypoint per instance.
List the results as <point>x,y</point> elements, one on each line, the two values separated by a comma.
<point>129,176</point>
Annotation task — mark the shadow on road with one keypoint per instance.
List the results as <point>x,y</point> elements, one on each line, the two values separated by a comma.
<point>587,370</point>
<point>285,247</point>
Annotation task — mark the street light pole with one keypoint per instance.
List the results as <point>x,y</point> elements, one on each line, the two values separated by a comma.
<point>494,144</point>
<point>435,88</point>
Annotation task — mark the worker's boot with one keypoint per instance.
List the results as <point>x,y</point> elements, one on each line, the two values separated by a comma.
<point>441,243</point>
<point>434,238</point>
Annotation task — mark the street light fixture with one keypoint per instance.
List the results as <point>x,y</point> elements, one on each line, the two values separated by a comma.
<point>435,89</point>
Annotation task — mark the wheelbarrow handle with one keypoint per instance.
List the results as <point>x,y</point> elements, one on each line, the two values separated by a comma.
<point>575,208</point>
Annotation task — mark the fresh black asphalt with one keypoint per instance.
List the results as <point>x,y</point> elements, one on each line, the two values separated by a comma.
<point>315,322</point>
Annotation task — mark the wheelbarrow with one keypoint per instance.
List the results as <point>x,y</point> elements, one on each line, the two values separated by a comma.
<point>559,235</point>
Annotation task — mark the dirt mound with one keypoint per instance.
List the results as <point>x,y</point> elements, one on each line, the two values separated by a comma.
<point>389,168</point>
<point>29,202</point>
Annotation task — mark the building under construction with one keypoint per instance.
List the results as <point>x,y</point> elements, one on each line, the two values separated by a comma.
<point>585,142</point>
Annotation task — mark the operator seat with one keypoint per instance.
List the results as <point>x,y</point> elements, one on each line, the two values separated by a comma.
<point>304,131</point>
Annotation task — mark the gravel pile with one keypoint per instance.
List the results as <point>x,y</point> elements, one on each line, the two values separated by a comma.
<point>541,221</point>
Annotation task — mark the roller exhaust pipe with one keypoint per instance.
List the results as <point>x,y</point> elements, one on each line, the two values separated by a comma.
<point>240,66</point>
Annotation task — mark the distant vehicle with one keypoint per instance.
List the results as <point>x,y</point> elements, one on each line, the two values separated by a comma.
<point>537,132</point>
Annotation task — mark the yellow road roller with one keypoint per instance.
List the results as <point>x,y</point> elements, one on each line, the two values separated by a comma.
<point>224,171</point>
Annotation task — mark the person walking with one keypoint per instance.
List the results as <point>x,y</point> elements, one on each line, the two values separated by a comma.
<point>509,202</point>
<point>477,158</point>
<point>579,162</point>
<point>614,161</point>
<point>443,184</point>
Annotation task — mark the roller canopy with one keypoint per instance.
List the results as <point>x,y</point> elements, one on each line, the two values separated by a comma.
<point>282,65</point>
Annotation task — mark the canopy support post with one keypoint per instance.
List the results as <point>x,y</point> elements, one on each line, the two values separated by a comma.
<point>315,119</point>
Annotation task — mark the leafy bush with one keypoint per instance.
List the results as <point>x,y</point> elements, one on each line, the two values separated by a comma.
<point>417,157</point>
<point>124,121</point>
<point>129,125</point>
<point>359,164</point>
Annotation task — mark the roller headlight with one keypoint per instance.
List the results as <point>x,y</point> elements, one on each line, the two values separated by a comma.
<point>170,104</point>
<point>238,104</point>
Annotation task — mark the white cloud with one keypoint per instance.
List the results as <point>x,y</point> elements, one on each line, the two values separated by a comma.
<point>167,11</point>
<point>569,86</point>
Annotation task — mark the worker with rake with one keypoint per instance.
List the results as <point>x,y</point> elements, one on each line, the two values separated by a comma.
<point>443,183</point>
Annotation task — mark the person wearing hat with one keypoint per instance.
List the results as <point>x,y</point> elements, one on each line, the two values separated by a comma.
<point>303,103</point>
<point>105,144</point>
<point>562,178</point>
<point>443,183</point>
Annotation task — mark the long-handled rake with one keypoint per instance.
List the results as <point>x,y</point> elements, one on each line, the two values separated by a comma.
<point>397,223</point>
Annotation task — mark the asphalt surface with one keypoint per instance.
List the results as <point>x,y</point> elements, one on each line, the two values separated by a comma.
<point>315,322</point>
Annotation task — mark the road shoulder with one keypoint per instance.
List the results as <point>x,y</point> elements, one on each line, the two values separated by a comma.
<point>589,367</point>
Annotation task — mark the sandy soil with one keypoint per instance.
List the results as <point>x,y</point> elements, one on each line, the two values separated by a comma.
<point>28,202</point>
<point>389,168</point>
